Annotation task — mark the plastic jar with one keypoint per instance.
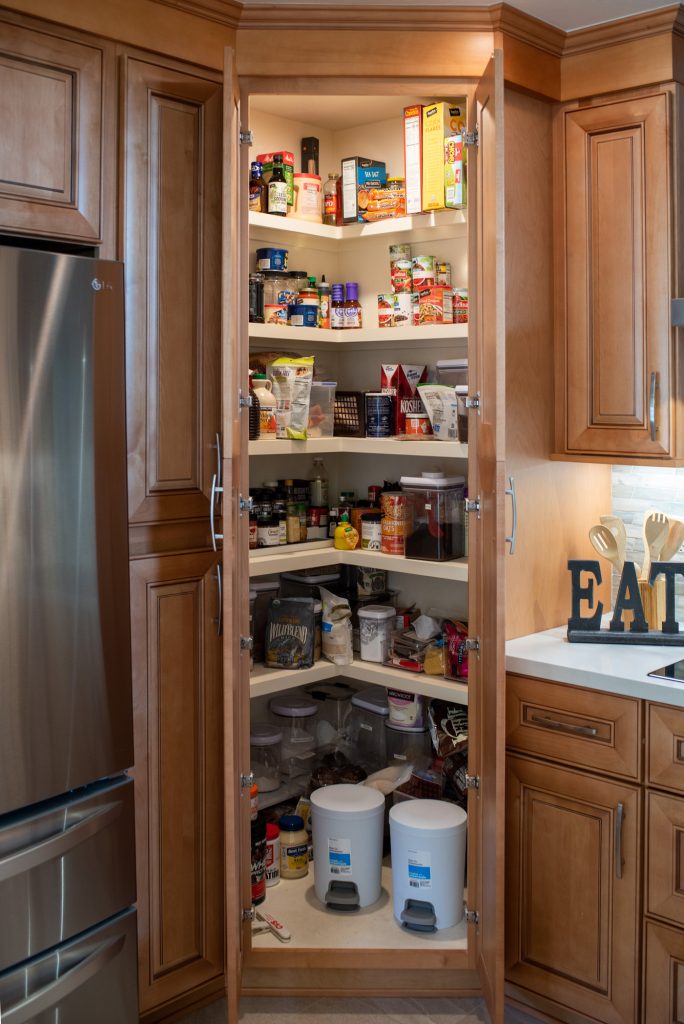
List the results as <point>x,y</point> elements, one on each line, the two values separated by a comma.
<point>272,854</point>
<point>375,629</point>
<point>294,715</point>
<point>264,750</point>
<point>408,744</point>
<point>278,288</point>
<point>294,847</point>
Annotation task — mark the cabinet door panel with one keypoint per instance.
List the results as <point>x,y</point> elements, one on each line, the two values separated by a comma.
<point>665,757</point>
<point>665,857</point>
<point>615,286</point>
<point>572,881</point>
<point>663,975</point>
<point>177,709</point>
<point>172,184</point>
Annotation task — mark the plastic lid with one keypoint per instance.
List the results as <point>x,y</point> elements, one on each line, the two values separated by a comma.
<point>296,273</point>
<point>293,707</point>
<point>371,517</point>
<point>431,483</point>
<point>324,384</point>
<point>264,735</point>
<point>272,831</point>
<point>429,815</point>
<point>298,577</point>
<point>259,376</point>
<point>291,823</point>
<point>373,699</point>
<point>406,728</point>
<point>330,691</point>
<point>377,611</point>
<point>452,364</point>
<point>461,389</point>
<point>345,798</point>
<point>262,586</point>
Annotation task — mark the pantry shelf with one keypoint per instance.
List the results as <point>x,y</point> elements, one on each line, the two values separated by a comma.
<point>360,446</point>
<point>422,226</point>
<point>358,337</point>
<point>289,558</point>
<point>266,681</point>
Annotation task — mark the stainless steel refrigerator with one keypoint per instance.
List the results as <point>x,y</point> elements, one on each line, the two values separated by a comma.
<point>67,858</point>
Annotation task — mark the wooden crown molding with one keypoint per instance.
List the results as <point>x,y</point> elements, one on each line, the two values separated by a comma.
<point>639,26</point>
<point>523,27</point>
<point>226,12</point>
<point>418,18</point>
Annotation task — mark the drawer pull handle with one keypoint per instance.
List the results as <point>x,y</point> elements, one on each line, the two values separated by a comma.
<point>574,730</point>
<point>619,818</point>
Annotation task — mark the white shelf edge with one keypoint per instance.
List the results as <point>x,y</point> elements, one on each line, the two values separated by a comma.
<point>265,681</point>
<point>351,232</point>
<point>360,336</point>
<point>359,446</point>
<point>264,561</point>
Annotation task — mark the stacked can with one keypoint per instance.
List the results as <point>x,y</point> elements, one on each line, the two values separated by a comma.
<point>396,522</point>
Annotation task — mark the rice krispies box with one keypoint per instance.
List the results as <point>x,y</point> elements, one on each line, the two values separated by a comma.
<point>402,380</point>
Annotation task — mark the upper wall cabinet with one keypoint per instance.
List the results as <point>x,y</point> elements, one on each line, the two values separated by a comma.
<point>51,100</point>
<point>615,354</point>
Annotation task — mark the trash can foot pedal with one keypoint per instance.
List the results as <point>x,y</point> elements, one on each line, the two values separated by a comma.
<point>419,916</point>
<point>342,896</point>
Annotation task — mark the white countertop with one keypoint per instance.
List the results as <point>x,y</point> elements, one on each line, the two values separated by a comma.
<point>613,668</point>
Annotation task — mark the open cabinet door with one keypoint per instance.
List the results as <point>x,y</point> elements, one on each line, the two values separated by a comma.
<point>487,532</point>
<point>235,531</point>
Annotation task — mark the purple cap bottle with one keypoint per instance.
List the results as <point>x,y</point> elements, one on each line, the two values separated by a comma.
<point>352,291</point>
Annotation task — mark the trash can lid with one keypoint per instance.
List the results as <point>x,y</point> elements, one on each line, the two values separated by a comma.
<point>345,798</point>
<point>428,816</point>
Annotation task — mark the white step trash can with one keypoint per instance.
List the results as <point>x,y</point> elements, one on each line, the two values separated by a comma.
<point>428,844</point>
<point>347,825</point>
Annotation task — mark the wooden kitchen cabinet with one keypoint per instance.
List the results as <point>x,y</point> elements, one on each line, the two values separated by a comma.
<point>616,362</point>
<point>663,974</point>
<point>52,112</point>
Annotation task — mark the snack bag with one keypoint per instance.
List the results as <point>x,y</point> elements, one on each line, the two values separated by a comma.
<point>336,629</point>
<point>291,379</point>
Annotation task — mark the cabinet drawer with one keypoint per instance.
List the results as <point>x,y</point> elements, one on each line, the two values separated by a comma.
<point>665,857</point>
<point>665,730</point>
<point>574,726</point>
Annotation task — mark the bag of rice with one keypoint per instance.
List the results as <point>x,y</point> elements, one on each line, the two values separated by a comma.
<point>289,641</point>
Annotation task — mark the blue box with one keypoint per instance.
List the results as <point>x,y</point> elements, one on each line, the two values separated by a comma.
<point>359,174</point>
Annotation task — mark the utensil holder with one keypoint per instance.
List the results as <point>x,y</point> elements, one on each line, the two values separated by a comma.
<point>653,600</point>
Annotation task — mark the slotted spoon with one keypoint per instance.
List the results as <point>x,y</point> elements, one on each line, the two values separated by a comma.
<point>606,545</point>
<point>656,530</point>
<point>617,528</point>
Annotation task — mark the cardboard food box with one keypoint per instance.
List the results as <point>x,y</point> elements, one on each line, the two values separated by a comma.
<point>440,121</point>
<point>413,157</point>
<point>402,380</point>
<point>454,172</point>
<point>359,176</point>
<point>266,160</point>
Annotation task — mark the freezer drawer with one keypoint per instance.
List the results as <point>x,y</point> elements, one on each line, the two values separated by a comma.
<point>65,866</point>
<point>91,978</point>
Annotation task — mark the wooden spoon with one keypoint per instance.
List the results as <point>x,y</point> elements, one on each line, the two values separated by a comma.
<point>675,539</point>
<point>617,528</point>
<point>656,530</point>
<point>606,545</point>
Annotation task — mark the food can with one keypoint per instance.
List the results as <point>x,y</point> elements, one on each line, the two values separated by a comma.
<point>275,314</point>
<point>442,272</point>
<point>385,310</point>
<point>423,271</point>
<point>371,531</point>
<point>400,273</point>
<point>460,299</point>
<point>401,251</point>
<point>303,315</point>
<point>435,305</point>
<point>272,854</point>
<point>417,424</point>
<point>403,309</point>
<point>391,544</point>
<point>395,505</point>
<point>379,414</point>
<point>358,513</point>
<point>415,308</point>
<point>271,259</point>
<point>317,524</point>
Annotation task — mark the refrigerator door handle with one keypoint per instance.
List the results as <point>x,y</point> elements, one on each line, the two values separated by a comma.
<point>55,991</point>
<point>60,843</point>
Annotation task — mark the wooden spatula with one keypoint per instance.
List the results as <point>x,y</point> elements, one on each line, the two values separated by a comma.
<point>617,528</point>
<point>675,539</point>
<point>656,530</point>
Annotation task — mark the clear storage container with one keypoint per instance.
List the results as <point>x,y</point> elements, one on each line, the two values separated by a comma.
<point>332,721</point>
<point>369,713</point>
<point>294,714</point>
<point>437,533</point>
<point>322,408</point>
<point>408,745</point>
<point>452,371</point>
<point>265,754</point>
<point>462,413</point>
<point>376,622</point>
<point>308,584</point>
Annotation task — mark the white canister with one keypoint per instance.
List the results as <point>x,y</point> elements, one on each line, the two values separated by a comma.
<point>375,629</point>
<point>347,826</point>
<point>308,198</point>
<point>428,844</point>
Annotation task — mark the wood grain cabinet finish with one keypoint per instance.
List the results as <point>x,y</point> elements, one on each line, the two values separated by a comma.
<point>614,278</point>
<point>663,975</point>
<point>665,857</point>
<point>665,731</point>
<point>51,117</point>
<point>178,758</point>
<point>172,225</point>
<point>572,882</point>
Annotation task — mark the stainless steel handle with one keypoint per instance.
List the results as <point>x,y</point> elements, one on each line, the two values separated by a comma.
<point>216,489</point>
<point>60,843</point>
<point>219,461</point>
<point>219,584</point>
<point>574,730</point>
<point>72,979</point>
<point>619,819</point>
<point>510,490</point>
<point>652,405</point>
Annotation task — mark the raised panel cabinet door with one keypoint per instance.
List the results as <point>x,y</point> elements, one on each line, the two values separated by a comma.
<point>178,774</point>
<point>664,887</point>
<point>614,283</point>
<point>572,878</point>
<point>51,116</point>
<point>172,238</point>
<point>663,975</point>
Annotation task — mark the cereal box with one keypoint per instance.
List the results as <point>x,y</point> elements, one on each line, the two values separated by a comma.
<point>440,121</point>
<point>402,380</point>
<point>413,157</point>
<point>454,172</point>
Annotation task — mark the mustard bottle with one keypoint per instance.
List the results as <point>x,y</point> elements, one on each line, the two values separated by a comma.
<point>346,537</point>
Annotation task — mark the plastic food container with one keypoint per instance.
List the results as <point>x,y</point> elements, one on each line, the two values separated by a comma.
<point>303,316</point>
<point>437,533</point>
<point>264,592</point>
<point>264,747</point>
<point>418,424</point>
<point>332,721</point>
<point>375,629</point>
<point>462,412</point>
<point>452,371</point>
<point>405,709</point>
<point>347,825</point>
<point>294,715</point>
<point>271,259</point>
<point>408,745</point>
<point>369,713</point>
<point>322,408</point>
<point>295,584</point>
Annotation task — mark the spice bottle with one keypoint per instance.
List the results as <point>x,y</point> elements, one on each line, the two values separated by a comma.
<point>324,303</point>
<point>294,854</point>
<point>337,319</point>
<point>352,306</point>
<point>330,200</point>
<point>257,189</point>
<point>277,189</point>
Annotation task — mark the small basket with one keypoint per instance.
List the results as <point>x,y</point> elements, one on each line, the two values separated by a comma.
<point>350,418</point>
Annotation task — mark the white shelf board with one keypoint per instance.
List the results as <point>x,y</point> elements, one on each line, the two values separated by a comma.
<point>290,557</point>
<point>436,225</point>
<point>287,791</point>
<point>360,446</point>
<point>265,681</point>
<point>317,336</point>
<point>293,902</point>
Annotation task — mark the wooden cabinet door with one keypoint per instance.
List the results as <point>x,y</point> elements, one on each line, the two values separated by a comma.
<point>178,778</point>
<point>663,975</point>
<point>572,880</point>
<point>172,232</point>
<point>614,256</point>
<point>51,109</point>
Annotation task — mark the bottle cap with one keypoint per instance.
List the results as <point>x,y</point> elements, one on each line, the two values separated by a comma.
<point>312,280</point>
<point>352,291</point>
<point>257,167</point>
<point>338,293</point>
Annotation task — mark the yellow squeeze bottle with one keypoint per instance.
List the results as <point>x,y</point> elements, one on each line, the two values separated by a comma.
<point>346,537</point>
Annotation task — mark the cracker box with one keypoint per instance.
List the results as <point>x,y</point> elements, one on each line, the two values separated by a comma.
<point>266,160</point>
<point>413,157</point>
<point>454,173</point>
<point>359,176</point>
<point>402,380</point>
<point>440,121</point>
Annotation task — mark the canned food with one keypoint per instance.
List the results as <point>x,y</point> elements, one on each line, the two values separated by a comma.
<point>400,275</point>
<point>379,414</point>
<point>371,531</point>
<point>442,272</point>
<point>460,305</point>
<point>417,424</point>
<point>400,251</point>
<point>317,524</point>
<point>395,505</point>
<point>395,527</point>
<point>393,545</point>
<point>385,310</point>
<point>435,305</point>
<point>271,259</point>
<point>403,309</point>
<point>415,308</point>
<point>423,271</point>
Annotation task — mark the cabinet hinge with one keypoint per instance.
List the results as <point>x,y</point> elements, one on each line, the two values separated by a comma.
<point>247,138</point>
<point>249,915</point>
<point>246,780</point>
<point>474,402</point>
<point>472,138</point>
<point>678,312</point>
<point>472,917</point>
<point>244,401</point>
<point>473,506</point>
<point>472,781</point>
<point>472,643</point>
<point>246,643</point>
<point>245,505</point>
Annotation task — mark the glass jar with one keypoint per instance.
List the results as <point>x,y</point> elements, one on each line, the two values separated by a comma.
<point>277,286</point>
<point>294,847</point>
<point>265,752</point>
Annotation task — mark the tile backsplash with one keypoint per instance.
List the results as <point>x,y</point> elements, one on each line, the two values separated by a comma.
<point>637,490</point>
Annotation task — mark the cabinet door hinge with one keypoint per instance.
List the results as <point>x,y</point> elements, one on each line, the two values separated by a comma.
<point>474,402</point>
<point>472,138</point>
<point>678,312</point>
<point>473,506</point>
<point>472,917</point>
<point>247,137</point>
<point>246,643</point>
<point>472,781</point>
<point>249,915</point>
<point>245,505</point>
<point>244,401</point>
<point>472,643</point>
<point>247,780</point>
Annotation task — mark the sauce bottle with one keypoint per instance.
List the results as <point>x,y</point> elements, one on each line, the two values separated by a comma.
<point>277,189</point>
<point>330,200</point>
<point>337,319</point>
<point>257,189</point>
<point>323,303</point>
<point>352,306</point>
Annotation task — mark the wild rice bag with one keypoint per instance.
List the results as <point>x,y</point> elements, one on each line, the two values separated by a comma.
<point>289,640</point>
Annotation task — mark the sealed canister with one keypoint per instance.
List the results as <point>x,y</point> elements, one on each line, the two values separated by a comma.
<point>396,189</point>
<point>302,315</point>
<point>258,844</point>
<point>256,298</point>
<point>379,414</point>
<point>371,530</point>
<point>385,310</point>
<point>417,424</point>
<point>391,544</point>
<point>423,271</point>
<point>294,853</point>
<point>403,309</point>
<point>270,258</point>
